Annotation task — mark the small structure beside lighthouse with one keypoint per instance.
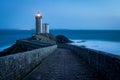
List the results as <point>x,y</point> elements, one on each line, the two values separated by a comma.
<point>38,18</point>
<point>45,28</point>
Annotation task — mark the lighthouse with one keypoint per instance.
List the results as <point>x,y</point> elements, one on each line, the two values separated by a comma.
<point>38,18</point>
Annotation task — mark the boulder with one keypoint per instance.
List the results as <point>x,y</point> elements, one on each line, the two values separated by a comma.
<point>61,39</point>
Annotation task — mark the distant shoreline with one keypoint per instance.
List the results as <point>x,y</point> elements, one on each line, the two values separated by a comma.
<point>70,29</point>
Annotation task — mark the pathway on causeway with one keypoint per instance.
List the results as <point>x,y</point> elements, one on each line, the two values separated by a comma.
<point>63,65</point>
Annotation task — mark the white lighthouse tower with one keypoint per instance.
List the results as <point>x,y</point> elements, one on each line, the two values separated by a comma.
<point>38,18</point>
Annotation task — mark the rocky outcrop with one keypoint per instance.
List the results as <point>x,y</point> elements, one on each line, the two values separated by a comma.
<point>12,50</point>
<point>43,38</point>
<point>61,39</point>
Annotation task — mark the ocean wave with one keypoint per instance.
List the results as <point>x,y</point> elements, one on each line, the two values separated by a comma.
<point>106,46</point>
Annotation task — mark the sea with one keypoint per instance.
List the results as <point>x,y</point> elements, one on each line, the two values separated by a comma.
<point>102,40</point>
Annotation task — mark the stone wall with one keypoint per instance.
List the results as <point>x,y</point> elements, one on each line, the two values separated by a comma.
<point>33,44</point>
<point>107,64</point>
<point>17,66</point>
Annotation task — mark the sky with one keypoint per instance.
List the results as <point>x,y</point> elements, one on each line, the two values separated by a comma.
<point>61,14</point>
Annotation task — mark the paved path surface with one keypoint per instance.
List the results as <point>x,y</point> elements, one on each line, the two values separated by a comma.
<point>63,65</point>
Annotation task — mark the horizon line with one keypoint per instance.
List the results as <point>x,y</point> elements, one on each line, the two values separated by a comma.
<point>62,29</point>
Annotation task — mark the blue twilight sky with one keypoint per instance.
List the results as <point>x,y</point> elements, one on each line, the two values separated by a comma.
<point>61,14</point>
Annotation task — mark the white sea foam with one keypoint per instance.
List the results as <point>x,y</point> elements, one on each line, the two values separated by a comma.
<point>106,46</point>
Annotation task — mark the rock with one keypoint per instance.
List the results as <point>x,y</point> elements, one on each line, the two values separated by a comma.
<point>81,41</point>
<point>61,39</point>
<point>43,38</point>
<point>83,46</point>
<point>12,50</point>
